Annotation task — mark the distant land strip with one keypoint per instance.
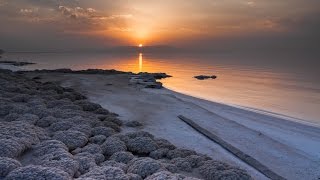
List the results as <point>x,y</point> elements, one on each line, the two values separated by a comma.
<point>241,155</point>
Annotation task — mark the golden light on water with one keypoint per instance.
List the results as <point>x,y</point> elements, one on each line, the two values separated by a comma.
<point>140,61</point>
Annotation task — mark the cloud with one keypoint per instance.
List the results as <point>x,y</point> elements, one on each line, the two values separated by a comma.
<point>176,21</point>
<point>78,12</point>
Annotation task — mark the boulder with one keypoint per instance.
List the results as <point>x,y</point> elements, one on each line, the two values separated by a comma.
<point>159,153</point>
<point>105,173</point>
<point>54,154</point>
<point>143,167</point>
<point>170,167</point>
<point>197,160</point>
<point>110,125</point>
<point>30,118</point>
<point>113,145</point>
<point>98,139</point>
<point>37,172</point>
<point>165,175</point>
<point>86,163</point>
<point>176,153</point>
<point>62,125</point>
<point>142,145</point>
<point>84,128</point>
<point>134,176</point>
<point>214,170</point>
<point>7,165</point>
<point>182,164</point>
<point>139,134</point>
<point>106,131</point>
<point>87,105</point>
<point>92,149</point>
<point>99,158</point>
<point>114,164</point>
<point>122,157</point>
<point>133,124</point>
<point>46,121</point>
<point>72,139</point>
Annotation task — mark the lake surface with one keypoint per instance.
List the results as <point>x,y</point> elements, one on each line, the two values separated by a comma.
<point>281,85</point>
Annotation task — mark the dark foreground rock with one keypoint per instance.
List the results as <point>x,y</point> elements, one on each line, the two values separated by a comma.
<point>148,80</point>
<point>55,133</point>
<point>203,77</point>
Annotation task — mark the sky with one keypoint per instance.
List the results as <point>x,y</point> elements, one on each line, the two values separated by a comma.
<point>204,24</point>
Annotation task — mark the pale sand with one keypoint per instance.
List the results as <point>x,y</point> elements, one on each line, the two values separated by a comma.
<point>288,148</point>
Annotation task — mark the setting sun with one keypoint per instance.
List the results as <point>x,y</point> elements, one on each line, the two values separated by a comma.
<point>140,45</point>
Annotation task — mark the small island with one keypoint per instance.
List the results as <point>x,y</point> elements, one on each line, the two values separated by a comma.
<point>204,77</point>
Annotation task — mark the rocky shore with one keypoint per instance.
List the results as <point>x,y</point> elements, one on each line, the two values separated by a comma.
<point>16,63</point>
<point>145,80</point>
<point>51,132</point>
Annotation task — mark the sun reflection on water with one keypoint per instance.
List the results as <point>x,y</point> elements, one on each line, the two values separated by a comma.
<point>140,62</point>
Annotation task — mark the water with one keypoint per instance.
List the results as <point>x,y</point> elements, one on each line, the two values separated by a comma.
<point>282,85</point>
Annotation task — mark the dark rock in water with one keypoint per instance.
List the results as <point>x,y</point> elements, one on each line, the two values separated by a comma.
<point>155,75</point>
<point>16,63</point>
<point>203,77</point>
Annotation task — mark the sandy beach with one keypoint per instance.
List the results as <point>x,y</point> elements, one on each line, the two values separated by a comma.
<point>290,149</point>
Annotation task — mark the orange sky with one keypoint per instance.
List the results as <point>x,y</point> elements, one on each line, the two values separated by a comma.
<point>131,22</point>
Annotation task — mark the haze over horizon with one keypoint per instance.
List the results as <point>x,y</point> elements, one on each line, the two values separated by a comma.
<point>30,25</point>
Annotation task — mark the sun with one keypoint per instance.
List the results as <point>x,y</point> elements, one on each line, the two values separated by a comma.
<point>140,45</point>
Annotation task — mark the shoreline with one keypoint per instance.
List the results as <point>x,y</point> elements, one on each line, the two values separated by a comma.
<point>160,76</point>
<point>251,109</point>
<point>134,103</point>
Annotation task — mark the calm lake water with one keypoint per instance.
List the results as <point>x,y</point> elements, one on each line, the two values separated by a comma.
<point>282,85</point>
